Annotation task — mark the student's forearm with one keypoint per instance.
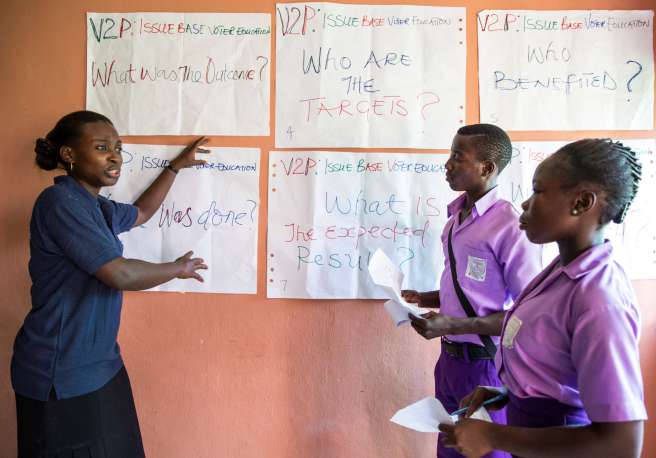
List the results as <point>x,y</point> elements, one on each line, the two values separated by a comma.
<point>619,440</point>
<point>135,275</point>
<point>430,299</point>
<point>151,199</point>
<point>489,325</point>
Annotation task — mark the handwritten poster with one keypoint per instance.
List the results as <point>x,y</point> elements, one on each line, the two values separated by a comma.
<point>369,75</point>
<point>634,240</point>
<point>180,73</point>
<point>329,212</point>
<point>566,70</point>
<point>211,209</point>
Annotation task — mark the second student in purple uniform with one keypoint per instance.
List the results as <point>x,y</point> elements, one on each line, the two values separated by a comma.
<point>492,261</point>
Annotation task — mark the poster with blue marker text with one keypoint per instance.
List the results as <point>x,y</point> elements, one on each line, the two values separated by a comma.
<point>566,70</point>
<point>329,213</point>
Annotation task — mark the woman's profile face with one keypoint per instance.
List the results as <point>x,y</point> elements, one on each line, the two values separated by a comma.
<point>547,213</point>
<point>96,157</point>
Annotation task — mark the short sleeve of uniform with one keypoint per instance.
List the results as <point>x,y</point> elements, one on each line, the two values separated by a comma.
<point>605,355</point>
<point>79,233</point>
<point>123,215</point>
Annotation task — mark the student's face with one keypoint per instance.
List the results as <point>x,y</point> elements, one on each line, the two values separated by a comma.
<point>97,156</point>
<point>547,213</point>
<point>464,170</point>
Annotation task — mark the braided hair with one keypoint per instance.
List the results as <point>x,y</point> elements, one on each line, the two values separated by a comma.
<point>66,132</point>
<point>491,143</point>
<point>613,167</point>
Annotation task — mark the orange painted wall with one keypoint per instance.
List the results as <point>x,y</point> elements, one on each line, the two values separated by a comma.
<point>229,375</point>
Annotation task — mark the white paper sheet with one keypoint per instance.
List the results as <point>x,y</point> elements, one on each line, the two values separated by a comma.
<point>389,277</point>
<point>427,414</point>
<point>386,274</point>
<point>211,210</point>
<point>329,212</point>
<point>369,75</point>
<point>566,70</point>
<point>180,73</point>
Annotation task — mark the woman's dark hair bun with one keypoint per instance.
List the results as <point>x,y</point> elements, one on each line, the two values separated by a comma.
<point>47,156</point>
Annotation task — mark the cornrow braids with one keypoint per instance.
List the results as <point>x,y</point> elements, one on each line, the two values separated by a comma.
<point>611,166</point>
<point>491,143</point>
<point>636,174</point>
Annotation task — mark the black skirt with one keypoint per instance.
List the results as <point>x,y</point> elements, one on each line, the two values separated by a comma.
<point>101,424</point>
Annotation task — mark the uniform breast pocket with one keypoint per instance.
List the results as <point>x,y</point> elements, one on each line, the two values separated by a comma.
<point>480,266</point>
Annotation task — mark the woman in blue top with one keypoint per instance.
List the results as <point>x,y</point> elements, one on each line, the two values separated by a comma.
<point>73,394</point>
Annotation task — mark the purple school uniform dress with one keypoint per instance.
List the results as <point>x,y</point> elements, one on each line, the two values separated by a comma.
<point>494,262</point>
<point>569,352</point>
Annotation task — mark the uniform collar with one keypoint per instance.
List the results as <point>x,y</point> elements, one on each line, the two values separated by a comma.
<point>481,205</point>
<point>70,183</point>
<point>593,258</point>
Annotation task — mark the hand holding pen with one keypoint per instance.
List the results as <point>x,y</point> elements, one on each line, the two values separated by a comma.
<point>487,402</point>
<point>492,397</point>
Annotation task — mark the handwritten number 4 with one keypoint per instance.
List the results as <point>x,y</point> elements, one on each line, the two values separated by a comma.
<point>290,132</point>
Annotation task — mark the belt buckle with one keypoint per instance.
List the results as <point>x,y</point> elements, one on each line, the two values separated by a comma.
<point>444,340</point>
<point>455,349</point>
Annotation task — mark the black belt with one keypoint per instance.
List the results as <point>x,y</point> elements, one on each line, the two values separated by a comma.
<point>457,349</point>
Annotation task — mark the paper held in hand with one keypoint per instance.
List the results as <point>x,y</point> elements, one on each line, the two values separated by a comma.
<point>389,277</point>
<point>426,416</point>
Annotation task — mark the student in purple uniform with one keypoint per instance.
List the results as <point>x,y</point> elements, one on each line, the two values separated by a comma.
<point>569,353</point>
<point>73,395</point>
<point>494,261</point>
